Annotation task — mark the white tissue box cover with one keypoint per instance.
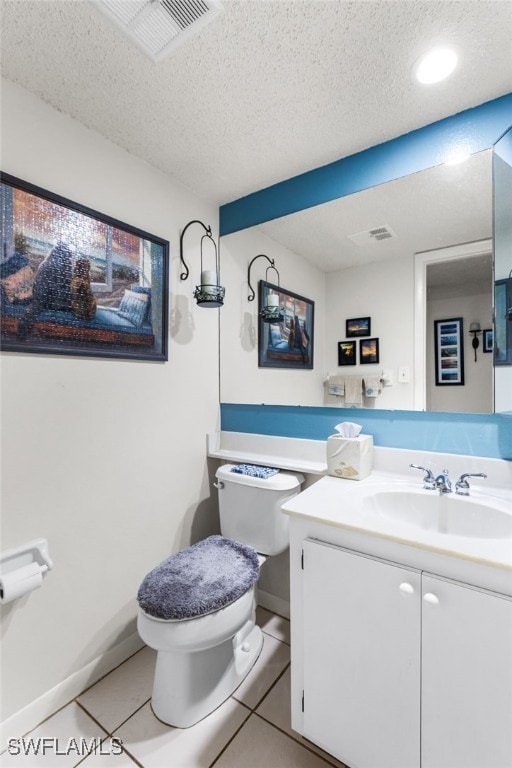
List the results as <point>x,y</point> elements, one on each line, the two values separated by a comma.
<point>349,457</point>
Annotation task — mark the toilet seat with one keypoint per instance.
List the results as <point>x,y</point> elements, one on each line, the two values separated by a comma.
<point>199,580</point>
<point>196,633</point>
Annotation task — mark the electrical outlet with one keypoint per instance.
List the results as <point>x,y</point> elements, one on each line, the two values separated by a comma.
<point>404,374</point>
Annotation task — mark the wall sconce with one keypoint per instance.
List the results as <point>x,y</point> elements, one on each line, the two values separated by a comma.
<point>474,328</point>
<point>209,293</point>
<point>271,312</point>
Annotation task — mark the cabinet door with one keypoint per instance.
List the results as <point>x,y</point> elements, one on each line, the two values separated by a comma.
<point>361,658</point>
<point>466,713</point>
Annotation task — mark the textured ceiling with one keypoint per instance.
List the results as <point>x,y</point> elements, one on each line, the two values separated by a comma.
<point>436,208</point>
<point>460,277</point>
<point>269,89</point>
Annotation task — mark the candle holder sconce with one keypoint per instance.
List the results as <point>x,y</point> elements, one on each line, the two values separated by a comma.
<point>271,312</point>
<point>210,293</point>
<point>474,328</point>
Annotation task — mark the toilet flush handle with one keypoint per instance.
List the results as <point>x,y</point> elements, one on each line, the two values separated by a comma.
<point>219,485</point>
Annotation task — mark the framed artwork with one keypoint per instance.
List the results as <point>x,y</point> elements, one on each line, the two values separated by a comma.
<point>346,352</point>
<point>288,340</point>
<point>488,342</point>
<point>368,351</point>
<point>358,326</point>
<point>76,282</point>
<point>449,351</point>
<point>503,322</point>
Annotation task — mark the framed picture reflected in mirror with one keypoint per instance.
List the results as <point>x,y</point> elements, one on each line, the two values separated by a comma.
<point>358,326</point>
<point>287,341</point>
<point>368,351</point>
<point>346,352</point>
<point>449,351</point>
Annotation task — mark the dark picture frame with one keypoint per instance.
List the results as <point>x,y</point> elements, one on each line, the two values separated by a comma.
<point>346,353</point>
<point>358,326</point>
<point>488,340</point>
<point>503,322</point>
<point>368,351</point>
<point>449,351</point>
<point>289,341</point>
<point>74,281</point>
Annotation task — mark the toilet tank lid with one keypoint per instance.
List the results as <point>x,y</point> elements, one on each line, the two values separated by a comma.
<point>282,481</point>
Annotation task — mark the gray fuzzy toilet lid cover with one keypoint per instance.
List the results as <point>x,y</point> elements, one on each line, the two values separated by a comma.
<point>200,579</point>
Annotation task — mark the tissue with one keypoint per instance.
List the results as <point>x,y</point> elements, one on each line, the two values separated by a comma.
<point>348,429</point>
<point>349,454</point>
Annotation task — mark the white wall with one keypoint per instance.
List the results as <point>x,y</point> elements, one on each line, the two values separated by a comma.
<point>383,291</point>
<point>475,396</point>
<point>241,379</point>
<point>105,458</point>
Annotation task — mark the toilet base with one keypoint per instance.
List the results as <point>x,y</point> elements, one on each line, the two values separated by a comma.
<point>189,686</point>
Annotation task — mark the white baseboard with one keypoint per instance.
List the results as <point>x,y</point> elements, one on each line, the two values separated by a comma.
<point>274,603</point>
<point>34,713</point>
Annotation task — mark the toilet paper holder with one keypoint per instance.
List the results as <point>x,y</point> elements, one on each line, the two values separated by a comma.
<point>18,558</point>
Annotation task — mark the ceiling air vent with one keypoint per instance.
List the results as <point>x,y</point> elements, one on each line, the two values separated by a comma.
<point>158,26</point>
<point>372,235</point>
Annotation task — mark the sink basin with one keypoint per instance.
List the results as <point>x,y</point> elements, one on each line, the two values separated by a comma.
<point>444,513</point>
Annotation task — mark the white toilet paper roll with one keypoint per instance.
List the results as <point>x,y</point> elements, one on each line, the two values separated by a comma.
<point>20,582</point>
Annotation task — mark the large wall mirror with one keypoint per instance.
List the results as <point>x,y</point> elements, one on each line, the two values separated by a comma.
<point>406,253</point>
<point>502,174</point>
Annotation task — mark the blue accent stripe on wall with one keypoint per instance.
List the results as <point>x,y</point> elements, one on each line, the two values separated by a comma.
<point>473,130</point>
<point>470,434</point>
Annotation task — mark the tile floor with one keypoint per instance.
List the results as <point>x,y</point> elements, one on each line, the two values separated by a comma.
<point>250,730</point>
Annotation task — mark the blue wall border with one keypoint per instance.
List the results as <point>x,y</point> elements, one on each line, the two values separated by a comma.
<point>472,434</point>
<point>473,130</point>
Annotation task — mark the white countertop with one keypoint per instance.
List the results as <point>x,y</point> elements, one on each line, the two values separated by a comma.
<point>344,504</point>
<point>288,453</point>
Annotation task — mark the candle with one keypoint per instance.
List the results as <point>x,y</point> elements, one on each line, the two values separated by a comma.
<point>209,277</point>
<point>272,300</point>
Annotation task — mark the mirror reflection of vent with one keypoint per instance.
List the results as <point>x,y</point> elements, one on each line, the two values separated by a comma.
<point>159,26</point>
<point>376,235</point>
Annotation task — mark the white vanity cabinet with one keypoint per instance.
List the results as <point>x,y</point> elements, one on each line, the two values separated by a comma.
<point>466,685</point>
<point>396,667</point>
<point>361,625</point>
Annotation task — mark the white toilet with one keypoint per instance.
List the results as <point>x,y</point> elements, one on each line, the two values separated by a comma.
<point>205,653</point>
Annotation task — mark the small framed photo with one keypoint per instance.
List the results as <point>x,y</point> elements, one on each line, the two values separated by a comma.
<point>368,351</point>
<point>449,352</point>
<point>346,352</point>
<point>488,341</point>
<point>358,326</point>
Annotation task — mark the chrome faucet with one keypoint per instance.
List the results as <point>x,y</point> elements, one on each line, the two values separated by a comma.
<point>429,482</point>
<point>462,485</point>
<point>442,482</point>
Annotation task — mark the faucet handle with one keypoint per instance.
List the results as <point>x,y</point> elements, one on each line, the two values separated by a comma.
<point>462,485</point>
<point>443,482</point>
<point>429,482</point>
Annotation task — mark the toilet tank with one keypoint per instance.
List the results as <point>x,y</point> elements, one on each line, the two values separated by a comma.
<point>250,508</point>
